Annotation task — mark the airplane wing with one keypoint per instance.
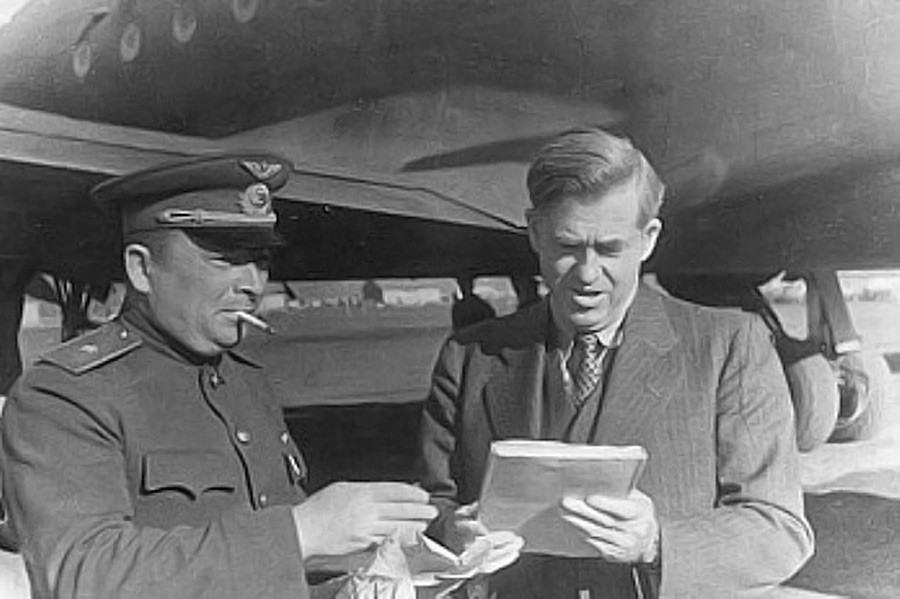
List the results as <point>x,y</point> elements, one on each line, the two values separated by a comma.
<point>338,224</point>
<point>776,126</point>
<point>48,164</point>
<point>800,206</point>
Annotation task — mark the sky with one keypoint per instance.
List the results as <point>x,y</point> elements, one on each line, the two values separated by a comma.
<point>8,8</point>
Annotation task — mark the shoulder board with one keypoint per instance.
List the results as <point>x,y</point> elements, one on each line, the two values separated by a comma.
<point>93,349</point>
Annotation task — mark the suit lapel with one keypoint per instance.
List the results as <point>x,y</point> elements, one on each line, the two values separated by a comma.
<point>643,375</point>
<point>514,391</point>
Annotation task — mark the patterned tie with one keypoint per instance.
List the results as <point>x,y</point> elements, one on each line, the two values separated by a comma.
<point>585,366</point>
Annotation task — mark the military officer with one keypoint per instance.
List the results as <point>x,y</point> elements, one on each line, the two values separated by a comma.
<point>149,458</point>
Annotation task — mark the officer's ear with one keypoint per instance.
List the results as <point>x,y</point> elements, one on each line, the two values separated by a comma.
<point>137,266</point>
<point>649,237</point>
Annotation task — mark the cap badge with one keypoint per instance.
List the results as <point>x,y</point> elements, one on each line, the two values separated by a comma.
<point>262,170</point>
<point>256,200</point>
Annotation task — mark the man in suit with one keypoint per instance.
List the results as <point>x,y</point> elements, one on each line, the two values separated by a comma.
<point>606,360</point>
<point>149,458</point>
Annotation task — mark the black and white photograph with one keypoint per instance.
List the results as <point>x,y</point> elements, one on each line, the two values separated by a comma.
<point>449,299</point>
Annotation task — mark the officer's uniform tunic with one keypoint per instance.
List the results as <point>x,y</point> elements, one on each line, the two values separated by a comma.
<point>140,472</point>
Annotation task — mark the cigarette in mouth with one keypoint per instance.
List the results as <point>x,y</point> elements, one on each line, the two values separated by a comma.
<point>259,323</point>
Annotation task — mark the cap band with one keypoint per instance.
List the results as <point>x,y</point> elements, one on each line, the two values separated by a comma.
<point>209,218</point>
<point>209,208</point>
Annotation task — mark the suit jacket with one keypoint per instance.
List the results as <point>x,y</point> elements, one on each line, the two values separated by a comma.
<point>701,389</point>
<point>132,472</point>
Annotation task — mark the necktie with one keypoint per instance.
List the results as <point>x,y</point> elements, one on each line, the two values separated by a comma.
<point>585,366</point>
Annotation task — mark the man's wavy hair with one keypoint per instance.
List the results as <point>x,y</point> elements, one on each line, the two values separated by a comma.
<point>590,162</point>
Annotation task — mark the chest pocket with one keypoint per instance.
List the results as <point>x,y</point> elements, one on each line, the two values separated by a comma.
<point>191,473</point>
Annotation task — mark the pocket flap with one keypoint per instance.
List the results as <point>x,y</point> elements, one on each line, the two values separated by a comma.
<point>191,472</point>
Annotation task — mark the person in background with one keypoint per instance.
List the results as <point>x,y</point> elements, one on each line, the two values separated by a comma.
<point>527,290</point>
<point>468,308</point>
<point>149,457</point>
<point>606,360</point>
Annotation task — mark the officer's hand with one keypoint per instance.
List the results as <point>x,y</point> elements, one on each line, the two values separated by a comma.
<point>344,518</point>
<point>622,530</point>
<point>463,528</point>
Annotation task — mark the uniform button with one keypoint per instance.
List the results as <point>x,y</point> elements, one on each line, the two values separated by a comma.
<point>285,438</point>
<point>123,335</point>
<point>243,437</point>
<point>214,379</point>
<point>263,500</point>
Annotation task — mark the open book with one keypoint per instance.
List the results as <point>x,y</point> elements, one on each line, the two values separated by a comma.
<point>526,480</point>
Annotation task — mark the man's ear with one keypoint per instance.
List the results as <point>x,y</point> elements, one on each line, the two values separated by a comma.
<point>137,266</point>
<point>649,237</point>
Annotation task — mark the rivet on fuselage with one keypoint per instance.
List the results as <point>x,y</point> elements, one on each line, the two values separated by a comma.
<point>244,10</point>
<point>81,59</point>
<point>130,44</point>
<point>184,24</point>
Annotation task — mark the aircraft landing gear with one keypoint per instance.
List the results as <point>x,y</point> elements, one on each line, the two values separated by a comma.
<point>864,385</point>
<point>838,390</point>
<point>816,399</point>
<point>863,377</point>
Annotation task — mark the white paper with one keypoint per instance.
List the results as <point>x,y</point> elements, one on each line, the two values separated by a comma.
<point>395,571</point>
<point>526,480</point>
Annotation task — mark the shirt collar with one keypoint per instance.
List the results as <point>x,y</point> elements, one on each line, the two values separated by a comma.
<point>135,318</point>
<point>609,336</point>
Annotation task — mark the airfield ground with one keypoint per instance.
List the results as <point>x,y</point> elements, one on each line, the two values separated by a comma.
<point>335,356</point>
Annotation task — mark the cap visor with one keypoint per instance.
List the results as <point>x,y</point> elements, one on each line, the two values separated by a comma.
<point>237,238</point>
